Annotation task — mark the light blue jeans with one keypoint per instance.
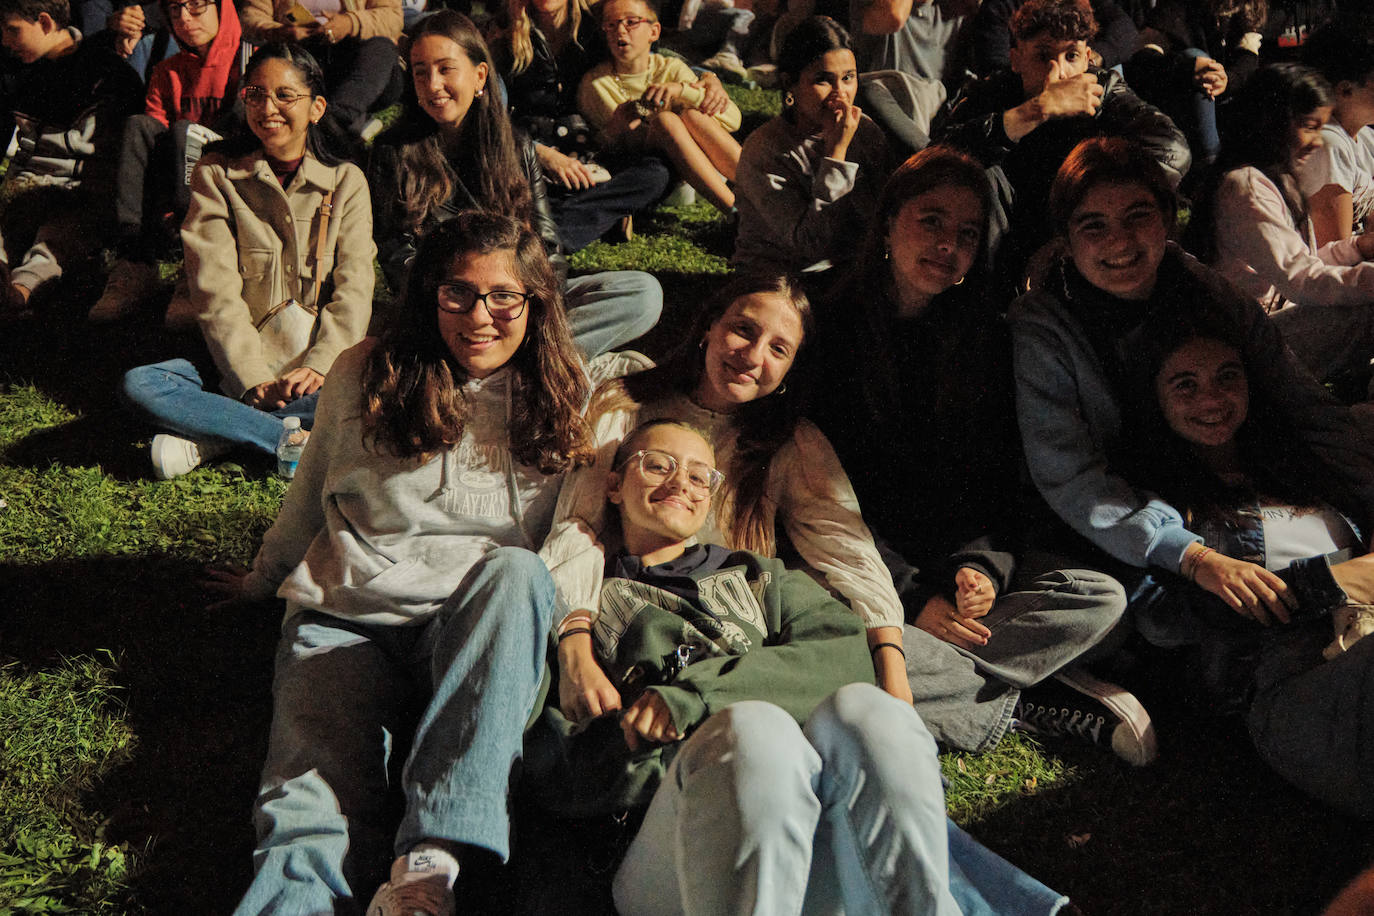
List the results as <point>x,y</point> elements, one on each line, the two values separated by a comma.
<point>344,690</point>
<point>172,396</point>
<point>758,815</point>
<point>1047,621</point>
<point>609,309</point>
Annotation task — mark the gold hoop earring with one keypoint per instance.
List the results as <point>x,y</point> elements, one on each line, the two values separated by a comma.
<point>960,281</point>
<point>788,100</point>
<point>782,389</point>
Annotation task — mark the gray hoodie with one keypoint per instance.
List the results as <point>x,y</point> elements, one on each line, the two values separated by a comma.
<point>376,538</point>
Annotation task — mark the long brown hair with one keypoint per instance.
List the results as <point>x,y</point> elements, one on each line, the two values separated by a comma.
<point>413,403</point>
<point>762,426</point>
<point>486,159</point>
<point>868,286</point>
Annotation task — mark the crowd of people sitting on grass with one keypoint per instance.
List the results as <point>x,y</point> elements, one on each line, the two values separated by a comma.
<point>1023,361</point>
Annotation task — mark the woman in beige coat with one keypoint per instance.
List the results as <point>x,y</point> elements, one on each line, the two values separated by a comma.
<point>279,254</point>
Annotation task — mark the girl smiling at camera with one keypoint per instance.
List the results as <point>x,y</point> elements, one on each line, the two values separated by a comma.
<point>241,272</point>
<point>414,600</point>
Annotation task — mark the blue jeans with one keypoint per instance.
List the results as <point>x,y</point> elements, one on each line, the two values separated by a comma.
<point>758,815</point>
<point>171,396</point>
<point>1312,720</point>
<point>609,309</point>
<point>1047,622</point>
<point>344,689</point>
<point>584,216</point>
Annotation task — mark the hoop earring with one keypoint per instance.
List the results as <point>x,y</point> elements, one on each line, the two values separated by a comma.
<point>960,281</point>
<point>788,100</point>
<point>701,344</point>
<point>781,389</point>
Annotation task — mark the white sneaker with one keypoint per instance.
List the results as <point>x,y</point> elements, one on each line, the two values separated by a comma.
<point>682,195</point>
<point>130,284</point>
<point>421,885</point>
<point>371,129</point>
<point>1352,622</point>
<point>727,63</point>
<point>173,456</point>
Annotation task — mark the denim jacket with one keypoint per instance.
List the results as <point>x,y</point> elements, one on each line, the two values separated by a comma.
<point>1070,410</point>
<point>1225,646</point>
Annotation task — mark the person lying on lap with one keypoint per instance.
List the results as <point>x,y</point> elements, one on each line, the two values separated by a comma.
<point>751,721</point>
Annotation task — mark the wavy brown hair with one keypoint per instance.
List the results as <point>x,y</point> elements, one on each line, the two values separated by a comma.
<point>486,157</point>
<point>413,403</point>
<point>743,512</point>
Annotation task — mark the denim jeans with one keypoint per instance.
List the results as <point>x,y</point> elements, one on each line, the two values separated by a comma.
<point>609,309</point>
<point>967,696</point>
<point>759,815</point>
<point>171,395</point>
<point>342,692</point>
<point>1312,720</point>
<point>583,216</point>
<point>1330,340</point>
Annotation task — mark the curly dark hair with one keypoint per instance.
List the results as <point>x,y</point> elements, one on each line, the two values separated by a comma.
<point>413,403</point>
<point>1062,20</point>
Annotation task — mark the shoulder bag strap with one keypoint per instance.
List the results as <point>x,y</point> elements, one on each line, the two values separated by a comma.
<point>326,210</point>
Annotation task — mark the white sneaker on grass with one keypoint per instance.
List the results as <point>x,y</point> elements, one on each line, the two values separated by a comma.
<point>173,456</point>
<point>421,885</point>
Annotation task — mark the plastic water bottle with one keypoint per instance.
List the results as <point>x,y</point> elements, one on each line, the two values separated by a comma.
<point>290,446</point>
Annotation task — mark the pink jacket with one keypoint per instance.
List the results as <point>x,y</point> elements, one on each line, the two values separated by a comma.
<point>1261,250</point>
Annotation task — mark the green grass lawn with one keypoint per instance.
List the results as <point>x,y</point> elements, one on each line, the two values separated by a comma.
<point>133,722</point>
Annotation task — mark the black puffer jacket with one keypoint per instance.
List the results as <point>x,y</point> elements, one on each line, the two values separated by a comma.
<point>397,242</point>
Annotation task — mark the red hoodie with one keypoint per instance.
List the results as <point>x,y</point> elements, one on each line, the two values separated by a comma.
<point>188,87</point>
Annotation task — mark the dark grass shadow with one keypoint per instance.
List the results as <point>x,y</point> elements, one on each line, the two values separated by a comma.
<point>196,687</point>
<point>1208,829</point>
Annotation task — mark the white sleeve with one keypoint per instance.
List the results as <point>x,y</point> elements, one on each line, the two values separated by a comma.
<point>820,513</point>
<point>1254,228</point>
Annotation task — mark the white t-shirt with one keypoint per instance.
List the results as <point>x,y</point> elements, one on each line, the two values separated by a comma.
<point>1345,161</point>
<point>1293,533</point>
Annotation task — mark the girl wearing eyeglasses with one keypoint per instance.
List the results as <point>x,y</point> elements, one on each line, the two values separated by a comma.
<point>354,42</point>
<point>734,378</point>
<point>277,223</point>
<point>404,550</point>
<point>190,102</point>
<point>454,150</point>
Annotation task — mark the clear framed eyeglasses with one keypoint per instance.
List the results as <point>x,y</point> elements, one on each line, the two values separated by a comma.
<point>656,467</point>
